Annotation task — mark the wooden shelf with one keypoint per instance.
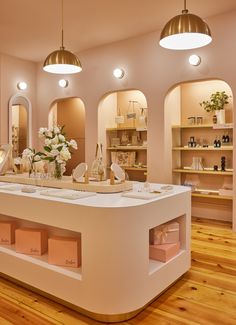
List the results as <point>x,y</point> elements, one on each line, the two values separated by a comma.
<point>202,126</point>
<point>212,196</point>
<point>127,129</point>
<point>222,148</point>
<point>138,169</point>
<point>127,148</point>
<point>207,172</point>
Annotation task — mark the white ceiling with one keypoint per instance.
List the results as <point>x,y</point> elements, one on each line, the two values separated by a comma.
<point>31,29</point>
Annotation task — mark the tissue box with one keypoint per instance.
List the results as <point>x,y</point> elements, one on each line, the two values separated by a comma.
<point>167,233</point>
<point>64,251</point>
<point>31,241</point>
<point>7,232</point>
<point>163,252</point>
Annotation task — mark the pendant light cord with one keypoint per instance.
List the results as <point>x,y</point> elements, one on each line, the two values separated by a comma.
<point>185,10</point>
<point>62,25</point>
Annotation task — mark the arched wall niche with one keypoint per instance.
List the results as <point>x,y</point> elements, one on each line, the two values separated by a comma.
<point>70,112</point>
<point>20,123</point>
<point>114,112</point>
<point>183,101</point>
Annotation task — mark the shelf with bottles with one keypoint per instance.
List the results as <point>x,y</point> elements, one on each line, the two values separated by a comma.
<point>202,126</point>
<point>204,171</point>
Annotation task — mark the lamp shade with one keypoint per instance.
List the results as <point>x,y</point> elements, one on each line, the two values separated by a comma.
<point>62,62</point>
<point>185,31</point>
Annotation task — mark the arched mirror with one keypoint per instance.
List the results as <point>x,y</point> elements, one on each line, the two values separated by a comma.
<point>20,124</point>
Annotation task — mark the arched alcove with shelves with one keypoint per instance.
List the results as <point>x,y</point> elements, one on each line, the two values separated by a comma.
<point>70,112</point>
<point>122,131</point>
<point>200,153</point>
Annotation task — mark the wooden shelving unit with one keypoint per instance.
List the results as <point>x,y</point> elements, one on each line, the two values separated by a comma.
<point>207,172</point>
<point>222,148</point>
<point>212,196</point>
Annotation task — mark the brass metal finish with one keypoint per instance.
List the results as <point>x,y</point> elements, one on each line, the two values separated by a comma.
<point>185,23</point>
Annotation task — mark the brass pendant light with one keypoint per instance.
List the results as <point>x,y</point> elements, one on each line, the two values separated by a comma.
<point>184,32</point>
<point>62,61</point>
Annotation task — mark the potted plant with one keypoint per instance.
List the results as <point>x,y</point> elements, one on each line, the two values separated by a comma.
<point>216,105</point>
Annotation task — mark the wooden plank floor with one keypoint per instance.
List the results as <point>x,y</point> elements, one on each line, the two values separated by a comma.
<point>204,295</point>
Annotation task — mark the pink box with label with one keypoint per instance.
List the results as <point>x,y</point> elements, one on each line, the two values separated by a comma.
<point>64,251</point>
<point>163,252</point>
<point>7,232</point>
<point>31,241</point>
<point>167,233</point>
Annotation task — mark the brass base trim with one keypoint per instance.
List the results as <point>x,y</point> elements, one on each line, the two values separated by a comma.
<point>105,318</point>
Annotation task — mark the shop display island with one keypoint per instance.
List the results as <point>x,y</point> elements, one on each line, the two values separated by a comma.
<point>116,279</point>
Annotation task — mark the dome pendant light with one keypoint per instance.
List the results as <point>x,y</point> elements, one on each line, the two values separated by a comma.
<point>62,61</point>
<point>184,32</point>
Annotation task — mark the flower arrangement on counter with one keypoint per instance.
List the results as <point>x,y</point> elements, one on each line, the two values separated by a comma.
<point>57,149</point>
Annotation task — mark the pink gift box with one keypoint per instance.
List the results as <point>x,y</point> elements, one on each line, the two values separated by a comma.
<point>167,233</point>
<point>64,251</point>
<point>31,241</point>
<point>163,252</point>
<point>7,232</point>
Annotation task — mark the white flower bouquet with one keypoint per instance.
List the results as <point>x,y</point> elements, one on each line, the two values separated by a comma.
<point>57,148</point>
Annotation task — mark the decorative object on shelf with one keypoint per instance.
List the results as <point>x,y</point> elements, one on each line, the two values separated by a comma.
<point>223,162</point>
<point>124,138</point>
<point>185,31</point>
<point>142,119</point>
<point>18,165</point>
<point>192,143</point>
<point>80,173</point>
<point>5,154</point>
<point>215,167</point>
<point>191,120</point>
<point>7,232</point>
<point>123,158</point>
<point>116,173</point>
<point>97,171</point>
<point>199,120</point>
<point>115,142</point>
<point>56,148</point>
<point>31,241</point>
<point>119,119</point>
<point>163,252</point>
<point>197,163</point>
<point>217,142</point>
<point>214,119</point>
<point>62,61</point>
<point>131,109</point>
<point>167,233</point>
<point>216,105</point>
<point>31,156</point>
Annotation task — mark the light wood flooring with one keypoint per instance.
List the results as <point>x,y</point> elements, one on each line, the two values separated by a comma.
<point>204,295</point>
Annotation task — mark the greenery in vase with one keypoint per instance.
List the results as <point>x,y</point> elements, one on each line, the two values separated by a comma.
<point>217,101</point>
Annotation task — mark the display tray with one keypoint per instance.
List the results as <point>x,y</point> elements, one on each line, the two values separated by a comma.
<point>67,183</point>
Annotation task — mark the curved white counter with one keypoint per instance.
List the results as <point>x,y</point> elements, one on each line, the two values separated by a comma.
<point>117,279</point>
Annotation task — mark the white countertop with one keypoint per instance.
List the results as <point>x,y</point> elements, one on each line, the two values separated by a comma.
<point>97,200</point>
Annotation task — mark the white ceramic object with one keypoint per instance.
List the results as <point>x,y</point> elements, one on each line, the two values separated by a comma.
<point>79,172</point>
<point>118,172</point>
<point>220,114</point>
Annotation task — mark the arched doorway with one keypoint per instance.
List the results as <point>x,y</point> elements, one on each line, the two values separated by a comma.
<point>70,112</point>
<point>122,130</point>
<point>192,156</point>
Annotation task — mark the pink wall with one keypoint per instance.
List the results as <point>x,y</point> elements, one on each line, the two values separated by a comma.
<point>12,71</point>
<point>149,68</point>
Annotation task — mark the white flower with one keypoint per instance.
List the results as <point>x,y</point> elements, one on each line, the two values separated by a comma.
<point>37,158</point>
<point>48,133</point>
<point>55,140</point>
<point>27,153</point>
<point>56,130</point>
<point>64,154</point>
<point>17,160</point>
<point>61,138</point>
<point>42,131</point>
<point>53,153</point>
<point>47,142</point>
<point>73,144</point>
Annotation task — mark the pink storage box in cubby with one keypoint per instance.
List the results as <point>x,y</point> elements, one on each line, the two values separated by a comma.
<point>64,251</point>
<point>167,233</point>
<point>7,232</point>
<point>163,252</point>
<point>31,241</point>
